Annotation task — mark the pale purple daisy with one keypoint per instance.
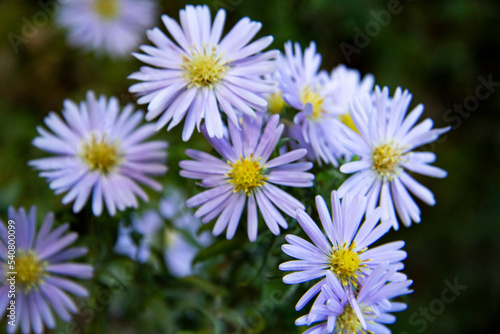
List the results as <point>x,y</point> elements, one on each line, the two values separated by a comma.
<point>115,27</point>
<point>309,91</point>
<point>346,85</point>
<point>342,311</point>
<point>246,176</point>
<point>147,226</point>
<point>100,151</point>
<point>202,74</point>
<point>385,144</point>
<point>182,244</point>
<point>344,251</point>
<point>41,269</point>
<point>173,203</point>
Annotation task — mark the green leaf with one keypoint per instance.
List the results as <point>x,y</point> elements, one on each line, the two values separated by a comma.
<point>205,286</point>
<point>218,248</point>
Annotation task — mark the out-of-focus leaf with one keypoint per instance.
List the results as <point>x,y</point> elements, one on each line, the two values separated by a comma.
<point>205,286</point>
<point>218,248</point>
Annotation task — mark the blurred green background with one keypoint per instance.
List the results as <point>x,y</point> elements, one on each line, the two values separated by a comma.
<point>439,50</point>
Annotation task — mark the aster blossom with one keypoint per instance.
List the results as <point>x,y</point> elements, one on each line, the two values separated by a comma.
<point>147,226</point>
<point>346,85</point>
<point>201,74</point>
<point>246,176</point>
<point>42,271</point>
<point>340,310</point>
<point>344,251</point>
<point>182,244</point>
<point>385,142</point>
<point>114,27</point>
<point>308,90</point>
<point>100,151</point>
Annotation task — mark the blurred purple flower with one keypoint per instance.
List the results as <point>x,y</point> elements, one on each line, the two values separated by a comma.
<point>115,27</point>
<point>147,226</point>
<point>182,243</point>
<point>100,150</point>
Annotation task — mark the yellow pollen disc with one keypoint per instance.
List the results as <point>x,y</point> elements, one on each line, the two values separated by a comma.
<point>30,270</point>
<point>100,155</point>
<point>386,159</point>
<point>275,103</point>
<point>107,9</point>
<point>170,237</point>
<point>308,96</point>
<point>204,69</point>
<point>348,322</point>
<point>347,120</point>
<point>246,174</point>
<point>346,263</point>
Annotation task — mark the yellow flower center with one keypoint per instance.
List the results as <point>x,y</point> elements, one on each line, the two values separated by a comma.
<point>170,237</point>
<point>107,9</point>
<point>386,159</point>
<point>347,120</point>
<point>30,270</point>
<point>348,322</point>
<point>100,155</point>
<point>346,263</point>
<point>308,96</point>
<point>246,174</point>
<point>275,103</point>
<point>204,69</point>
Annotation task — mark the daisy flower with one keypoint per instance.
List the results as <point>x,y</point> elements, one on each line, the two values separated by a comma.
<point>385,144</point>
<point>172,203</point>
<point>147,226</point>
<point>346,85</point>
<point>201,74</point>
<point>341,311</point>
<point>42,271</point>
<point>114,27</point>
<point>182,244</point>
<point>99,150</point>
<point>246,176</point>
<point>308,90</point>
<point>344,251</point>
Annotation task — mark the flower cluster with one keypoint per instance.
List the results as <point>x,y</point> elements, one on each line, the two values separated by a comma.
<point>274,120</point>
<point>356,276</point>
<point>179,242</point>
